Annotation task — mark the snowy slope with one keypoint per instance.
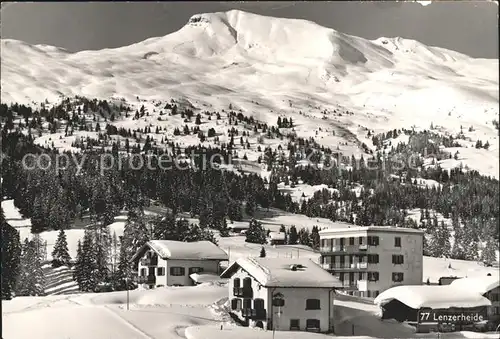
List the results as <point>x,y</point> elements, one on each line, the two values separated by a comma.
<point>268,66</point>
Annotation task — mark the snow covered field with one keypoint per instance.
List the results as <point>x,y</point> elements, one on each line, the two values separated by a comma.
<point>174,312</point>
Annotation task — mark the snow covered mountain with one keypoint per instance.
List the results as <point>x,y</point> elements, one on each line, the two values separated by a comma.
<point>261,64</point>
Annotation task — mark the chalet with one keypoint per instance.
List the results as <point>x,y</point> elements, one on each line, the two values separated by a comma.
<point>277,238</point>
<point>488,287</point>
<point>172,263</point>
<point>440,308</point>
<point>281,294</point>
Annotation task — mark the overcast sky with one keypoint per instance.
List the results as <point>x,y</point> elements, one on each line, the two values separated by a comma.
<point>467,27</point>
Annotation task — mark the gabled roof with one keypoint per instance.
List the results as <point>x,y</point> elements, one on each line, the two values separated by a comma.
<point>432,296</point>
<point>196,250</point>
<point>206,277</point>
<point>480,285</point>
<point>277,272</point>
<point>356,229</point>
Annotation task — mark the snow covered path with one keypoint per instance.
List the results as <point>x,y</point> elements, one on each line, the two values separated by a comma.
<point>153,314</point>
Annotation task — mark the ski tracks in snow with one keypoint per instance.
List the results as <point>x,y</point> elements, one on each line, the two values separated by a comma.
<point>127,323</point>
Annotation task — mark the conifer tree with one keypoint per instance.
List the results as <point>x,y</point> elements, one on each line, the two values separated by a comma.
<point>11,254</point>
<point>77,272</point>
<point>60,253</point>
<point>304,237</point>
<point>262,252</point>
<point>31,280</point>
<point>124,271</point>
<point>488,253</point>
<point>89,270</point>
<point>256,233</point>
<point>224,230</point>
<point>293,236</point>
<point>314,238</point>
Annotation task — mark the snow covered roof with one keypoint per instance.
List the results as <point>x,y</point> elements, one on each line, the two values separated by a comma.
<point>277,272</point>
<point>277,235</point>
<point>432,296</point>
<point>205,277</point>
<point>364,229</point>
<point>479,285</point>
<point>239,226</point>
<point>197,250</point>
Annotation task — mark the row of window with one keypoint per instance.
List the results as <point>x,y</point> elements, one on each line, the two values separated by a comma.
<point>371,259</point>
<point>238,304</point>
<point>371,240</point>
<point>397,259</point>
<point>247,282</point>
<point>371,276</point>
<point>174,271</point>
<point>310,324</point>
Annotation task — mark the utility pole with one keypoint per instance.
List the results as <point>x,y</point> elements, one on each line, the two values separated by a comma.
<point>128,297</point>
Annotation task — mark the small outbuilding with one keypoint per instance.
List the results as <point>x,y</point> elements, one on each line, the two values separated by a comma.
<point>277,238</point>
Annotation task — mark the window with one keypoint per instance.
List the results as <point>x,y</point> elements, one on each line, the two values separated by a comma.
<point>247,282</point>
<point>247,303</point>
<point>351,241</point>
<point>397,242</point>
<point>294,324</point>
<point>375,294</point>
<point>373,258</point>
<point>143,272</point>
<point>236,304</point>
<point>373,276</point>
<point>368,294</point>
<point>236,282</point>
<point>397,277</point>
<point>397,259</point>
<point>177,271</point>
<point>195,270</point>
<point>313,304</point>
<point>258,304</point>
<point>361,240</point>
<point>161,271</point>
<point>373,240</point>
<point>360,276</point>
<point>312,324</point>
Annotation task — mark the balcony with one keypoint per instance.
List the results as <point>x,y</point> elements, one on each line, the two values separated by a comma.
<point>149,261</point>
<point>345,266</point>
<point>243,292</point>
<point>339,249</point>
<point>150,280</point>
<point>253,313</point>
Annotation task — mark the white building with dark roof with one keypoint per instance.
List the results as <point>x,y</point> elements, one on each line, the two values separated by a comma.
<point>303,291</point>
<point>173,263</point>
<point>370,259</point>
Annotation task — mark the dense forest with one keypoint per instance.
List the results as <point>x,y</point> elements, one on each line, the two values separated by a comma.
<point>378,190</point>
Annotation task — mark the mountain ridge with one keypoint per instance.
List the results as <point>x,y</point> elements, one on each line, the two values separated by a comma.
<point>268,66</point>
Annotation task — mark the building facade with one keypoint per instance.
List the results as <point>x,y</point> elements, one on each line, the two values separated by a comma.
<point>369,260</point>
<point>282,294</point>
<point>171,263</point>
